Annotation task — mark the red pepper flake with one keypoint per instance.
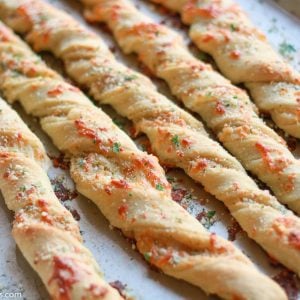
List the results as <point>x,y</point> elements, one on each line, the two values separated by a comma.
<point>178,194</point>
<point>107,189</point>
<point>236,54</point>
<point>65,276</point>
<point>147,166</point>
<point>56,91</point>
<point>288,281</point>
<point>294,240</point>
<point>120,184</point>
<point>19,218</point>
<point>191,11</point>
<point>122,211</point>
<point>22,11</point>
<point>4,34</point>
<point>161,260</point>
<point>142,29</point>
<point>207,38</point>
<point>200,166</point>
<point>83,130</point>
<point>19,136</point>
<point>185,142</point>
<point>290,184</point>
<point>6,174</point>
<point>213,244</point>
<point>276,165</point>
<point>60,162</point>
<point>220,109</point>
<point>42,204</point>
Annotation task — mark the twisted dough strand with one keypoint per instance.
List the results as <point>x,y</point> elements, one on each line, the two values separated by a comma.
<point>244,55</point>
<point>173,133</point>
<point>225,108</point>
<point>127,185</point>
<point>46,233</point>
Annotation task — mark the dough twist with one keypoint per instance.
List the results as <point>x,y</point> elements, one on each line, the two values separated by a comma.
<point>127,185</point>
<point>225,108</point>
<point>173,133</point>
<point>46,233</point>
<point>244,55</point>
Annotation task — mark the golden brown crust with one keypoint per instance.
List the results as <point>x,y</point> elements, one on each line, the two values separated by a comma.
<point>89,59</point>
<point>128,185</point>
<point>244,55</point>
<point>224,107</point>
<point>45,231</point>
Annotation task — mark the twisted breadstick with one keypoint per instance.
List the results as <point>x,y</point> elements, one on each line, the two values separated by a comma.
<point>244,55</point>
<point>44,230</point>
<point>173,133</point>
<point>128,185</point>
<point>225,108</point>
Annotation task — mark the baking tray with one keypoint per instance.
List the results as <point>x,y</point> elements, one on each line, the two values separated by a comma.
<point>119,261</point>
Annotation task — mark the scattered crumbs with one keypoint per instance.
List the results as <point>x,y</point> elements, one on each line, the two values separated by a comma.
<point>62,193</point>
<point>74,212</point>
<point>60,162</point>
<point>118,285</point>
<point>190,202</point>
<point>178,194</point>
<point>122,289</point>
<point>288,281</point>
<point>233,229</point>
<point>207,218</point>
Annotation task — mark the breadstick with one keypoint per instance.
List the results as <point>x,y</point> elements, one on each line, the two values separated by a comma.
<point>168,127</point>
<point>243,54</point>
<point>225,108</point>
<point>45,231</point>
<point>127,184</point>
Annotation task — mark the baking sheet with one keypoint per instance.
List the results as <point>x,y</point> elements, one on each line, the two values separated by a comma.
<point>117,256</point>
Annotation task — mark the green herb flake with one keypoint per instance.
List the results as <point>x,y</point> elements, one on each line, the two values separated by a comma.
<point>22,188</point>
<point>159,187</point>
<point>130,77</point>
<point>81,162</point>
<point>175,140</point>
<point>210,214</point>
<point>286,49</point>
<point>119,123</point>
<point>116,147</point>
<point>147,256</point>
<point>233,27</point>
